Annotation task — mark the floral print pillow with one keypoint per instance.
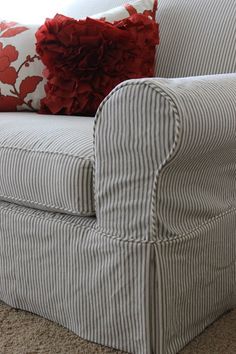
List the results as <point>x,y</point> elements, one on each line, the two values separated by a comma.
<point>21,70</point>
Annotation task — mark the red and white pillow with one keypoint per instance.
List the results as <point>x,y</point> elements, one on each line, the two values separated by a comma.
<point>26,85</point>
<point>21,70</point>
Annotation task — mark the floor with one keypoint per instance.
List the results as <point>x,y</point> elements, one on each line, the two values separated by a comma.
<point>24,333</point>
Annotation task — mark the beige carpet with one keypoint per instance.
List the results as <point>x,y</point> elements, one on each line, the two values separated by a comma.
<point>24,333</point>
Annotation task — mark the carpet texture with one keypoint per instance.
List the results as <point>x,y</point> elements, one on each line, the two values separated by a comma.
<point>24,333</point>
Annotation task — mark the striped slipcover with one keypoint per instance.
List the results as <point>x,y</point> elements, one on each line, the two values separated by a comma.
<point>168,180</point>
<point>196,37</point>
<point>156,264</point>
<point>47,162</point>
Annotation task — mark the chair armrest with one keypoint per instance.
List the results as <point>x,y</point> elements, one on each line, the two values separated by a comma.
<point>165,158</point>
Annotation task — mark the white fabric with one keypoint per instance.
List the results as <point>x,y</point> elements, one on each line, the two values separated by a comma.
<point>84,8</point>
<point>120,12</point>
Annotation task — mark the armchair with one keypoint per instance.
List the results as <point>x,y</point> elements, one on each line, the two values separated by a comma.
<point>165,180</point>
<point>128,237</point>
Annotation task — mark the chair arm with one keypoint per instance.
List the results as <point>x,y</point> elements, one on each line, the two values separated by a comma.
<point>165,158</point>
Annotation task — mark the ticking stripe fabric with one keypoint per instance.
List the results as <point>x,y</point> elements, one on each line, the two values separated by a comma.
<point>198,183</point>
<point>46,162</point>
<point>135,133</point>
<point>141,297</point>
<point>195,282</point>
<point>59,267</point>
<point>196,37</point>
<point>158,144</point>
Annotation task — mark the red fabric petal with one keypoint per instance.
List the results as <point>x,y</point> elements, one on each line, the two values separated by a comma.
<point>11,32</point>
<point>4,63</point>
<point>10,52</point>
<point>5,25</point>
<point>9,103</point>
<point>8,76</point>
<point>29,85</point>
<point>131,10</point>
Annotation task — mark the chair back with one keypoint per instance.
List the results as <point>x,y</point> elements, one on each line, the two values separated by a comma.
<point>196,37</point>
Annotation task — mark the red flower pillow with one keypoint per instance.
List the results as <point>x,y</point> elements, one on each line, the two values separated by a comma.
<point>86,59</point>
<point>21,78</point>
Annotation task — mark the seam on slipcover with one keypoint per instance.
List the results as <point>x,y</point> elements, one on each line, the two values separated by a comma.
<point>47,152</point>
<point>118,238</point>
<point>127,83</point>
<point>121,239</point>
<point>175,238</point>
<point>172,152</point>
<point>197,228</point>
<point>87,165</point>
<point>77,212</point>
<point>174,149</point>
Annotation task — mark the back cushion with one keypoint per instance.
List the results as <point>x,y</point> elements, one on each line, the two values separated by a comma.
<point>83,8</point>
<point>197,37</point>
<point>26,11</point>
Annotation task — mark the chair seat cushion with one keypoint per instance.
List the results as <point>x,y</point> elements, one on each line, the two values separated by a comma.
<point>46,162</point>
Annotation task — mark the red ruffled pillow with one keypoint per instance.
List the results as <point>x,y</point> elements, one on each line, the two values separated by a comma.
<point>86,59</point>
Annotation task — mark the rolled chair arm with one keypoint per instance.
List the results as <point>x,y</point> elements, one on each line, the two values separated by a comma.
<point>165,156</point>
